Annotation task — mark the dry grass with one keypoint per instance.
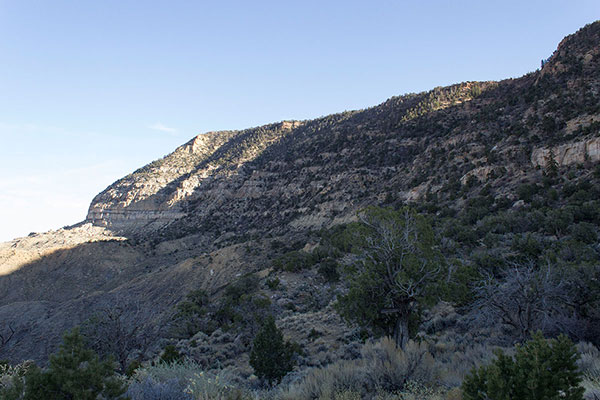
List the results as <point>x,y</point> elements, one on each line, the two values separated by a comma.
<point>589,365</point>
<point>195,383</point>
<point>382,369</point>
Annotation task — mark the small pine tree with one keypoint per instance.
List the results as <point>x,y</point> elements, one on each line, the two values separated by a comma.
<point>271,357</point>
<point>75,372</point>
<point>541,369</point>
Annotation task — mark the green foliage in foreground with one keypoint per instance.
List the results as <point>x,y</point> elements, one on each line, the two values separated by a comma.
<point>540,369</point>
<point>75,373</point>
<point>271,357</point>
<point>398,270</point>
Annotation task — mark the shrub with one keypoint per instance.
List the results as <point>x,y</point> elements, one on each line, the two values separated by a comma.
<point>557,221</point>
<point>239,308</point>
<point>382,368</point>
<point>391,369</point>
<point>238,291</point>
<point>584,232</point>
<point>132,367</point>
<point>170,354</point>
<point>273,284</point>
<point>185,378</point>
<point>314,334</point>
<point>293,261</point>
<point>589,365</point>
<point>152,390</point>
<point>162,372</point>
<point>339,237</point>
<point>540,369</point>
<point>194,303</point>
<point>190,312</point>
<point>11,379</point>
<point>328,269</point>
<point>461,233</point>
<point>270,356</point>
<point>526,191</point>
<point>528,246</point>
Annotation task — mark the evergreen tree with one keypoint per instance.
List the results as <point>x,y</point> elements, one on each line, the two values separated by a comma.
<point>188,320</point>
<point>551,169</point>
<point>75,373</point>
<point>541,369</point>
<point>271,356</point>
<point>398,270</point>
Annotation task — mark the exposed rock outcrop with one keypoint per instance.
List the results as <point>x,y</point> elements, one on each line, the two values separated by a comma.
<point>568,153</point>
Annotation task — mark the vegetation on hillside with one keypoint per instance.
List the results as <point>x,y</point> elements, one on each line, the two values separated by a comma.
<point>470,269</point>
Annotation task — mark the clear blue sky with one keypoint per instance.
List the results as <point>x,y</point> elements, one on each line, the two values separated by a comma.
<point>93,89</point>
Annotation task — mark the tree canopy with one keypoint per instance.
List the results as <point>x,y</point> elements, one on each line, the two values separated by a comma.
<point>74,373</point>
<point>397,269</point>
<point>271,356</point>
<point>540,369</point>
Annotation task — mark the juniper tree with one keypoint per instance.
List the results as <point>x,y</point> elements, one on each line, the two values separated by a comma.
<point>271,356</point>
<point>398,269</point>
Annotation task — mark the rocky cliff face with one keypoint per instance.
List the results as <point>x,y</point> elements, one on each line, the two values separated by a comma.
<point>568,153</point>
<point>157,194</point>
<point>221,205</point>
<point>150,195</point>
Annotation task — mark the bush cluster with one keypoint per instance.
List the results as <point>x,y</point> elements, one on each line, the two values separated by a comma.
<point>540,369</point>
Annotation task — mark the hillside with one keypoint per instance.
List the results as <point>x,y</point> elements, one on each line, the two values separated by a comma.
<point>475,156</point>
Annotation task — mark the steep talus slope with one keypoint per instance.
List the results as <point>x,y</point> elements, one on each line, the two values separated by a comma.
<point>219,205</point>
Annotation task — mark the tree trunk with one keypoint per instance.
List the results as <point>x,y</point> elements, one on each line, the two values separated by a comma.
<point>401,330</point>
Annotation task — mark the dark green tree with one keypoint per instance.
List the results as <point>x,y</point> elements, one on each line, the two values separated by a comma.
<point>170,355</point>
<point>541,369</point>
<point>74,373</point>
<point>188,320</point>
<point>551,168</point>
<point>271,356</point>
<point>397,271</point>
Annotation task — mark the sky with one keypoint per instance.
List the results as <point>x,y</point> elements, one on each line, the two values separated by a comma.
<point>91,90</point>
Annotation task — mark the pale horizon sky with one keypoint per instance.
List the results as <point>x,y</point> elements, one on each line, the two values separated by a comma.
<point>92,90</point>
